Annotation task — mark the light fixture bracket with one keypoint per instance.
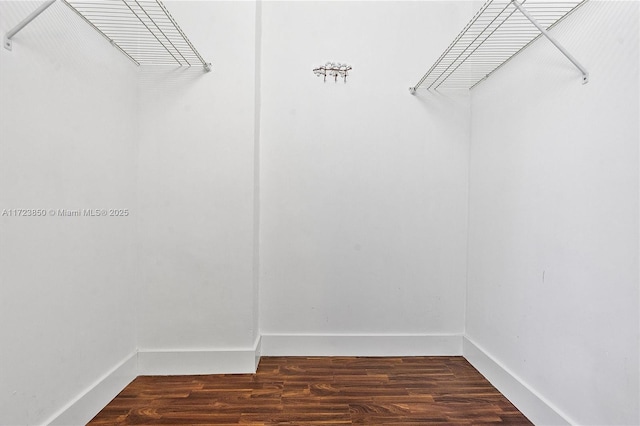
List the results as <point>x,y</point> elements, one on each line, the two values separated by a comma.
<point>333,69</point>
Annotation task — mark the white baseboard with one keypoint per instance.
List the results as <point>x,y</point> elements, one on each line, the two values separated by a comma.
<point>98,395</point>
<point>148,362</point>
<point>175,363</point>
<point>528,401</point>
<point>258,351</point>
<point>360,345</point>
<point>160,363</point>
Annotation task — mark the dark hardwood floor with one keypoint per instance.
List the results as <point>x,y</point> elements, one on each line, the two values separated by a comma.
<point>319,391</point>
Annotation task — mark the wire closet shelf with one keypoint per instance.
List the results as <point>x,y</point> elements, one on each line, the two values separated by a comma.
<point>143,30</point>
<point>499,31</point>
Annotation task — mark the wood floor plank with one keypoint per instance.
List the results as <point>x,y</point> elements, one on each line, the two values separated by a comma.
<point>319,391</point>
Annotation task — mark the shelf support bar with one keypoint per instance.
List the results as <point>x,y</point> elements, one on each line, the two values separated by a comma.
<point>574,61</point>
<point>9,35</point>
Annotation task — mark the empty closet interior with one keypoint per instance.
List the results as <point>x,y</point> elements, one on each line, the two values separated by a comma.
<point>180,193</point>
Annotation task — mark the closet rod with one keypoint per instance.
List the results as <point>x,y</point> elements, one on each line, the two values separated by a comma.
<point>574,61</point>
<point>8,44</point>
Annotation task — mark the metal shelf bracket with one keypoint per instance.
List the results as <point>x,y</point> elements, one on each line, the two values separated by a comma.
<point>8,42</point>
<point>574,61</point>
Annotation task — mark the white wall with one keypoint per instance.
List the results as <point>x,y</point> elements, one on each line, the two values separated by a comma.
<point>67,141</point>
<point>363,186</point>
<point>360,224</point>
<point>553,230</point>
<point>196,182</point>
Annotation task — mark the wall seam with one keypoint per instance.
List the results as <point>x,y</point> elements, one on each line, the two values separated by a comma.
<point>468,219</point>
<point>256,167</point>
